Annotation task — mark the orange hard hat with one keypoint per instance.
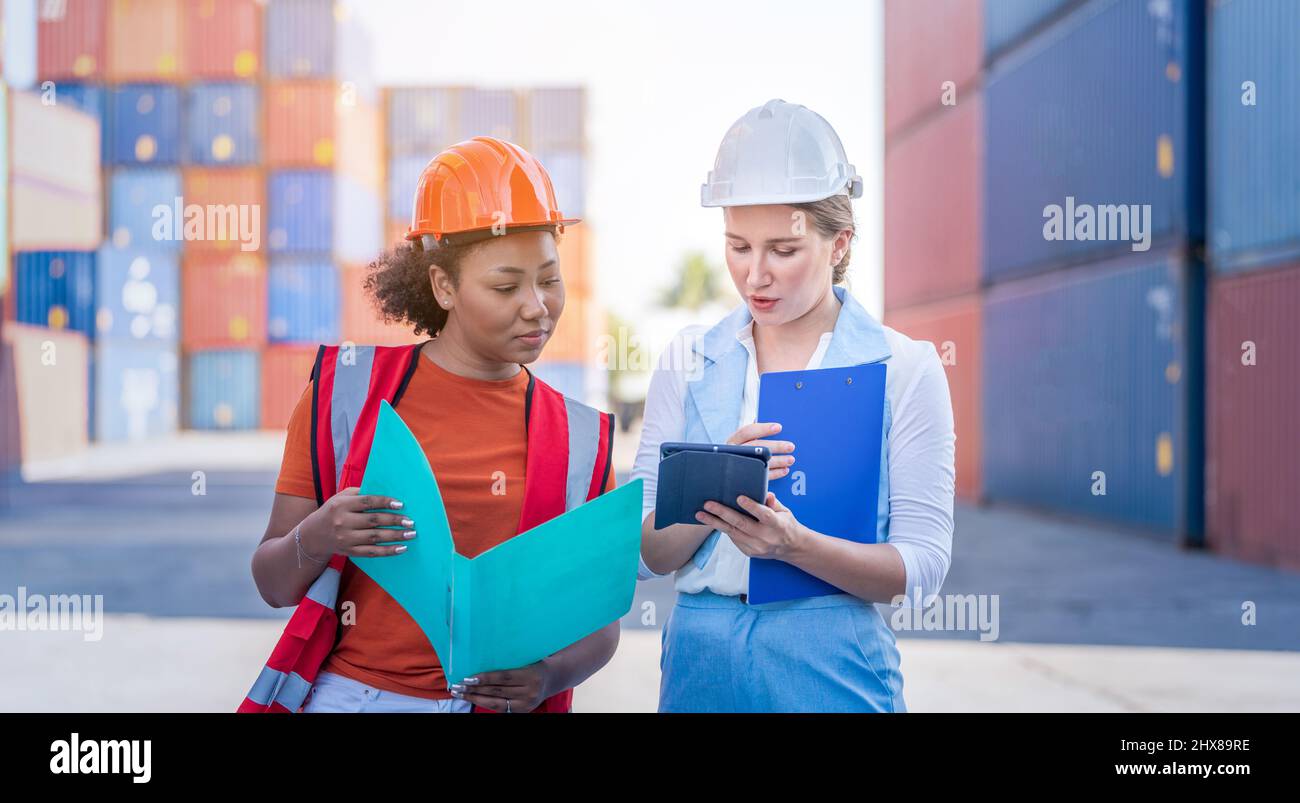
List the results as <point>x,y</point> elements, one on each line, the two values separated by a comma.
<point>483,183</point>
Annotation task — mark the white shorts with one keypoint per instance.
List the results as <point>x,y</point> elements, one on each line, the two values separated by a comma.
<point>336,694</point>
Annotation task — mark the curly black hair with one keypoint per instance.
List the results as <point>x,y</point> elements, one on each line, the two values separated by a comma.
<point>398,282</point>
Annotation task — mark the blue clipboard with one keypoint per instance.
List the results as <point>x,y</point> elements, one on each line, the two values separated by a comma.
<point>835,417</point>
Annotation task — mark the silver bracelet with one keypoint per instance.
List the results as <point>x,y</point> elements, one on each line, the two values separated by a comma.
<point>297,540</point>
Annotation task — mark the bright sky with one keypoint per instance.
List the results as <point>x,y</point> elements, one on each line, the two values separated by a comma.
<point>664,82</point>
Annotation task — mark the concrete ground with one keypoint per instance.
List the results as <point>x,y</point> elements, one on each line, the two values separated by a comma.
<point>1091,618</point>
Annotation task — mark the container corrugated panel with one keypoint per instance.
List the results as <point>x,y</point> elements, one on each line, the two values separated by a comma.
<point>1254,201</point>
<point>575,251</point>
<point>569,378</point>
<point>56,289</point>
<point>362,238</point>
<point>134,194</point>
<point>57,145</point>
<point>361,322</point>
<point>43,218</point>
<point>136,390</point>
<point>18,24</point>
<point>557,118</point>
<point>354,58</point>
<point>222,123</point>
<point>359,145</point>
<point>224,389</point>
<point>955,327</point>
<point>302,211</point>
<point>395,232</point>
<point>10,432</point>
<point>567,169</point>
<point>137,296</point>
<point>71,44</point>
<point>52,399</point>
<point>144,125</point>
<point>91,99</point>
<point>927,45</point>
<point>1103,110</point>
<point>1252,463</point>
<point>421,121</point>
<point>489,113</point>
<point>223,38</point>
<point>223,301</point>
<point>1009,21</point>
<point>573,339</point>
<point>1093,375</point>
<point>403,178</point>
<point>300,123</point>
<point>933,203</point>
<point>4,215</point>
<point>300,38</point>
<point>221,188</point>
<point>144,40</point>
<point>303,301</point>
<point>286,371</point>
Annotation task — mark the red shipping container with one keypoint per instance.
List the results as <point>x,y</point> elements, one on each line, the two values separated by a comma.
<point>1252,432</point>
<point>955,327</point>
<point>52,396</point>
<point>361,323</point>
<point>300,123</point>
<point>927,44</point>
<point>285,373</point>
<point>144,40</point>
<point>223,38</point>
<point>71,44</point>
<point>225,186</point>
<point>223,301</point>
<point>933,208</point>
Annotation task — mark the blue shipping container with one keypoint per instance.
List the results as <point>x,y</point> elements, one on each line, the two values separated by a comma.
<point>1092,381</point>
<point>137,295</point>
<point>422,121</point>
<point>56,289</point>
<point>403,177</point>
<point>1254,133</point>
<point>300,38</point>
<point>556,119</point>
<point>489,113</point>
<point>135,220</point>
<point>224,389</point>
<point>135,390</point>
<point>1091,128</point>
<point>567,169</point>
<point>222,122</point>
<point>91,99</point>
<point>1008,21</point>
<point>144,125</point>
<point>302,211</point>
<point>303,303</point>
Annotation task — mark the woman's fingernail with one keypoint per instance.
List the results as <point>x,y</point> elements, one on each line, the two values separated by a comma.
<point>409,534</point>
<point>775,427</point>
<point>396,505</point>
<point>470,681</point>
<point>400,550</point>
<point>457,695</point>
<point>407,523</point>
<point>699,516</point>
<point>457,688</point>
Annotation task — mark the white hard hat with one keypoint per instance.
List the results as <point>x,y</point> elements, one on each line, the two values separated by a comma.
<point>779,153</point>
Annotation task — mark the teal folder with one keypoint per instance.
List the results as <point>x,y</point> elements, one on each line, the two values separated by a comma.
<point>518,602</point>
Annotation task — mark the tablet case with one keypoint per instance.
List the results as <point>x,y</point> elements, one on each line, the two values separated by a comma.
<point>835,418</point>
<point>693,473</point>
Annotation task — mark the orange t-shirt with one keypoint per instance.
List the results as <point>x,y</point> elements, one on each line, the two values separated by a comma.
<point>473,433</point>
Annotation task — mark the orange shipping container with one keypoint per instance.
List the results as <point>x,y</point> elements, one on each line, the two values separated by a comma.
<point>223,186</point>
<point>573,339</point>
<point>395,233</point>
<point>51,375</point>
<point>359,142</point>
<point>70,45</point>
<point>300,123</point>
<point>223,301</point>
<point>361,323</point>
<point>955,328</point>
<point>144,40</point>
<point>223,38</point>
<point>575,259</point>
<point>285,372</point>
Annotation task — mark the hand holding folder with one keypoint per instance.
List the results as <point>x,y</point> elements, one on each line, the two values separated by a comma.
<point>518,602</point>
<point>835,417</point>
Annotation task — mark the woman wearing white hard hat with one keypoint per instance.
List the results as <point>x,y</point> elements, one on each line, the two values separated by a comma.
<point>785,187</point>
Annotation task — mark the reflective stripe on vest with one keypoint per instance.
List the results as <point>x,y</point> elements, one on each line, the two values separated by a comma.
<point>289,689</point>
<point>325,589</point>
<point>352,370</point>
<point>584,446</point>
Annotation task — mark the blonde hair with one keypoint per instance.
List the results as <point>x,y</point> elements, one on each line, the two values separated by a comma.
<point>831,216</point>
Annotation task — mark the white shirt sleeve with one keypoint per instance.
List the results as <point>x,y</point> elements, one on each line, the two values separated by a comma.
<point>921,479</point>
<point>664,421</point>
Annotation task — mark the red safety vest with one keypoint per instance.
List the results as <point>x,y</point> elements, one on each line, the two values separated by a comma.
<point>568,463</point>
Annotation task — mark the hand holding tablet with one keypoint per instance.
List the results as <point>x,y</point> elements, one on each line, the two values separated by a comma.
<point>691,474</point>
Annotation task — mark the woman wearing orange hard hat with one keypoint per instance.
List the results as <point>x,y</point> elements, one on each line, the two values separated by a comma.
<point>481,274</point>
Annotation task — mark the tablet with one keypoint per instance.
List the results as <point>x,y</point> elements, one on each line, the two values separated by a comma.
<point>691,474</point>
